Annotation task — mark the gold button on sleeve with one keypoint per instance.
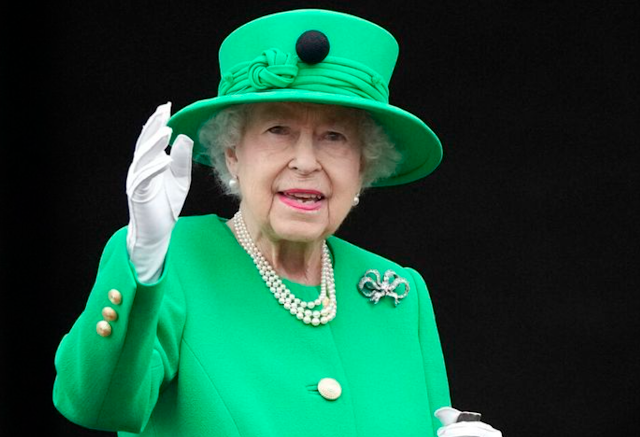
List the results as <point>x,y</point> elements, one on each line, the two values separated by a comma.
<point>109,314</point>
<point>103,328</point>
<point>115,297</point>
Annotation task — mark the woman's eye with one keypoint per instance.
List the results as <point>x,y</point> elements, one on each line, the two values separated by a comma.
<point>335,136</point>
<point>279,130</point>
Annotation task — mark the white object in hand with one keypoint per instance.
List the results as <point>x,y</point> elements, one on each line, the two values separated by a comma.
<point>157,187</point>
<point>452,428</point>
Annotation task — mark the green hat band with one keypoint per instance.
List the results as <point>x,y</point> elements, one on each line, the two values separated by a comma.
<point>275,68</point>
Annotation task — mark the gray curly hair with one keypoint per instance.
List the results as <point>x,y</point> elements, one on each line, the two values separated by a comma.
<point>224,130</point>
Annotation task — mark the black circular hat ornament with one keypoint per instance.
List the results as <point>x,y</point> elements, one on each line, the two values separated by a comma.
<point>312,47</point>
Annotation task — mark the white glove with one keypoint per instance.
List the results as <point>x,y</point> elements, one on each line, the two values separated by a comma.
<point>157,186</point>
<point>452,428</point>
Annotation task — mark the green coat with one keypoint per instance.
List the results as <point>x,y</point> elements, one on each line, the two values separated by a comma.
<point>208,351</point>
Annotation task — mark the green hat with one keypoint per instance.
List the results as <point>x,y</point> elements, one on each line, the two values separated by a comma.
<point>316,56</point>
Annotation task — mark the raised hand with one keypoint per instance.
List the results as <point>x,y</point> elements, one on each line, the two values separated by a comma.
<point>157,187</point>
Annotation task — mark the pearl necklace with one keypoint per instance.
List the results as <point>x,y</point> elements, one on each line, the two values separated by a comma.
<point>306,312</point>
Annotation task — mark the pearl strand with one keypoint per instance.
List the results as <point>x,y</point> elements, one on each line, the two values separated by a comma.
<point>306,312</point>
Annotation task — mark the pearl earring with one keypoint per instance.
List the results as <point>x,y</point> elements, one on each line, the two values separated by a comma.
<point>356,200</point>
<point>233,182</point>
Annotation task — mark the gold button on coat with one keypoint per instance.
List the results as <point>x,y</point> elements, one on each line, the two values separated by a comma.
<point>115,297</point>
<point>109,314</point>
<point>103,328</point>
<point>330,389</point>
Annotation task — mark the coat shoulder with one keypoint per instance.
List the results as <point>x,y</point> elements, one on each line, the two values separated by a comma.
<point>351,253</point>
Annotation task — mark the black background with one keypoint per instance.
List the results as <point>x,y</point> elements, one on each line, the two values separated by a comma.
<point>526,234</point>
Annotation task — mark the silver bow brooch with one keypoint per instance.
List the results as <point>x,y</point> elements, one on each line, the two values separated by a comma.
<point>375,289</point>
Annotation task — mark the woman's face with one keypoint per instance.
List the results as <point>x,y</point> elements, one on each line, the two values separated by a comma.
<point>298,168</point>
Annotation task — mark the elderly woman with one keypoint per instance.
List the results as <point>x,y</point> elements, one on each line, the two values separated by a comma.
<point>207,327</point>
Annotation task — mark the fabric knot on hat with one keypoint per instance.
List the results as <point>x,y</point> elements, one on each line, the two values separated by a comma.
<point>273,69</point>
<point>227,77</point>
<point>379,84</point>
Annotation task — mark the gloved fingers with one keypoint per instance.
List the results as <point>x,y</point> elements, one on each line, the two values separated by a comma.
<point>156,121</point>
<point>151,150</point>
<point>153,139</point>
<point>447,415</point>
<point>181,152</point>
<point>139,183</point>
<point>150,157</point>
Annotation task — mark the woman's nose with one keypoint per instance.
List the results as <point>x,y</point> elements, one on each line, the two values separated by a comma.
<point>304,159</point>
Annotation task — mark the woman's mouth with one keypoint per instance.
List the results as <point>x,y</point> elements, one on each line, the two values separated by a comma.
<point>306,200</point>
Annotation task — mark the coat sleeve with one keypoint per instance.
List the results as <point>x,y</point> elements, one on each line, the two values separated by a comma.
<point>432,356</point>
<point>112,382</point>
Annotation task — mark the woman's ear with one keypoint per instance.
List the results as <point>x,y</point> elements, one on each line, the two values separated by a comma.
<point>231,160</point>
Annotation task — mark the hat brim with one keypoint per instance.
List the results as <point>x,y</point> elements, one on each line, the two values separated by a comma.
<point>420,148</point>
